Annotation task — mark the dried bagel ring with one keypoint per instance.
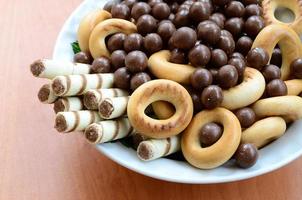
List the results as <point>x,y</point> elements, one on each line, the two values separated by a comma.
<point>97,43</point>
<point>162,109</point>
<point>246,93</point>
<point>218,153</point>
<point>294,86</point>
<point>87,25</point>
<point>288,107</point>
<point>160,66</point>
<point>264,131</point>
<point>288,41</point>
<point>270,6</point>
<point>160,90</point>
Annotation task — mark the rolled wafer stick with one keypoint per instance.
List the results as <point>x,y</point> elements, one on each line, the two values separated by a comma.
<point>65,104</point>
<point>72,85</point>
<point>155,148</point>
<point>108,130</point>
<point>113,107</point>
<point>46,95</point>
<point>75,120</point>
<point>137,139</point>
<point>45,68</point>
<point>93,97</point>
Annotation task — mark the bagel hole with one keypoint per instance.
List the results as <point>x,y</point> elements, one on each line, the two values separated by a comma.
<point>164,115</point>
<point>284,14</point>
<point>210,133</point>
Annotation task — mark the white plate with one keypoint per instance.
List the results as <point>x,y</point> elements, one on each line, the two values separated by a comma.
<point>272,157</point>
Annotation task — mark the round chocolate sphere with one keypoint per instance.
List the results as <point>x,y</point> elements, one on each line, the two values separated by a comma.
<point>184,38</point>
<point>116,42</point>
<point>166,30</point>
<point>182,18</point>
<point>211,97</point>
<point>139,9</point>
<point>296,68</point>
<point>136,61</point>
<point>82,57</point>
<point>228,76</point>
<point>246,155</point>
<point>133,41</point>
<point>234,25</point>
<point>218,18</point>
<point>237,55</point>
<point>146,24</point>
<point>220,2</point>
<point>253,9</point>
<point>271,72</point>
<point>239,64</point>
<point>199,11</point>
<point>153,42</point>
<point>201,78</point>
<point>154,2</point>
<point>178,56</point>
<point>257,58</point>
<point>109,4</point>
<point>234,9</point>
<point>199,55</point>
<point>122,78</point>
<point>121,11</point>
<point>101,65</point>
<point>139,79</point>
<point>161,11</point>
<point>244,44</point>
<point>276,87</point>
<point>276,57</point>
<point>253,25</point>
<point>227,44</point>
<point>218,58</point>
<point>246,117</point>
<point>210,134</point>
<point>209,32</point>
<point>196,100</point>
<point>118,59</point>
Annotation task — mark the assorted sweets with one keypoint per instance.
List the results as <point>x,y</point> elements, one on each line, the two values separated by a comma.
<point>213,80</point>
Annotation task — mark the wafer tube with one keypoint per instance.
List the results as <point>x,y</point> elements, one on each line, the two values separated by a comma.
<point>46,95</point>
<point>108,130</point>
<point>137,139</point>
<point>156,148</point>
<point>75,120</point>
<point>113,107</point>
<point>65,104</point>
<point>92,98</point>
<point>72,85</point>
<point>45,68</point>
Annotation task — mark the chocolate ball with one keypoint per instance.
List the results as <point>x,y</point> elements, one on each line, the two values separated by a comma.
<point>196,101</point>
<point>184,7</point>
<point>246,117</point>
<point>271,72</point>
<point>201,78</point>
<point>276,87</point>
<point>146,24</point>
<point>214,73</point>
<point>101,65</point>
<point>239,63</point>
<point>246,155</point>
<point>139,9</point>
<point>139,79</point>
<point>161,11</point>
<point>248,2</point>
<point>133,41</point>
<point>129,3</point>
<point>184,38</point>
<point>228,76</point>
<point>153,42</point>
<point>276,57</point>
<point>254,25</point>
<point>218,58</point>
<point>226,33</point>
<point>218,18</point>
<point>122,78</point>
<point>154,2</point>
<point>234,9</point>
<point>209,32</point>
<point>109,5</point>
<point>244,44</point>
<point>166,30</point>
<point>210,134</point>
<point>199,55</point>
<point>253,9</point>
<point>237,55</point>
<point>220,2</point>
<point>116,42</point>
<point>211,97</point>
<point>182,18</point>
<point>257,58</point>
<point>296,68</point>
<point>178,56</point>
<point>82,57</point>
<point>118,59</point>
<point>234,25</point>
<point>121,11</point>
<point>199,11</point>
<point>174,7</point>
<point>227,44</point>
<point>208,3</point>
<point>136,61</point>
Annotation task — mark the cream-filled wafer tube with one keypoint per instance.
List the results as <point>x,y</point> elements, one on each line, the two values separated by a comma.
<point>113,107</point>
<point>46,95</point>
<point>46,68</point>
<point>65,104</point>
<point>72,85</point>
<point>75,120</point>
<point>156,148</point>
<point>93,97</point>
<point>108,130</point>
<point>137,139</point>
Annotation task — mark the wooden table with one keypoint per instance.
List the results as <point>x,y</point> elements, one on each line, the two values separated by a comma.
<point>38,163</point>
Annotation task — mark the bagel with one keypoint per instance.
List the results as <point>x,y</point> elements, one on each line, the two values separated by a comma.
<point>264,131</point>
<point>162,109</point>
<point>105,28</point>
<point>218,153</point>
<point>270,6</point>
<point>288,41</point>
<point>160,67</point>
<point>87,24</point>
<point>160,90</point>
<point>247,92</point>
<point>288,107</point>
<point>294,87</point>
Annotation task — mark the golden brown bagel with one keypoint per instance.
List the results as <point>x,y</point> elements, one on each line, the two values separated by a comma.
<point>160,90</point>
<point>218,153</point>
<point>87,24</point>
<point>294,86</point>
<point>289,43</point>
<point>270,6</point>
<point>162,109</point>
<point>97,38</point>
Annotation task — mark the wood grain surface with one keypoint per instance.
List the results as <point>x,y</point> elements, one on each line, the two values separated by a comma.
<point>38,163</point>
